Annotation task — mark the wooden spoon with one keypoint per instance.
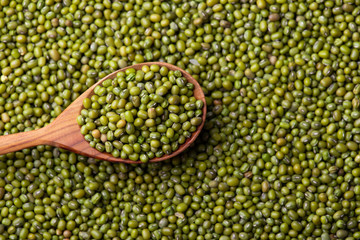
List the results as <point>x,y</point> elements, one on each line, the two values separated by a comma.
<point>64,131</point>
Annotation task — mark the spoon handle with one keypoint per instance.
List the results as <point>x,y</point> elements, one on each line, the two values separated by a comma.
<point>18,141</point>
<point>63,132</point>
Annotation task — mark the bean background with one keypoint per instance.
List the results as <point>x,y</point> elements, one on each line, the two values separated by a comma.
<point>279,154</point>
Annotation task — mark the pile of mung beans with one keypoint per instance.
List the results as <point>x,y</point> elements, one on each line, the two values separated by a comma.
<point>278,157</point>
<point>141,114</point>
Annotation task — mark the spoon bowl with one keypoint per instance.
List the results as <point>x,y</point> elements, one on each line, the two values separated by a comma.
<point>64,131</point>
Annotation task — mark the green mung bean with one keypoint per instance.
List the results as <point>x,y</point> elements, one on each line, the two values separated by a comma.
<point>125,125</point>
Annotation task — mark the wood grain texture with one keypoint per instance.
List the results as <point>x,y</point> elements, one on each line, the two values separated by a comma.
<point>64,132</point>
